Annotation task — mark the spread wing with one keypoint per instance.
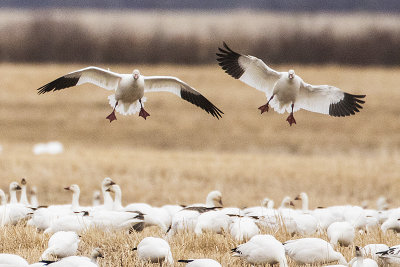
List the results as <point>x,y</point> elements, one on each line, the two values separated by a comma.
<point>181,89</point>
<point>250,70</point>
<point>106,79</point>
<point>328,99</point>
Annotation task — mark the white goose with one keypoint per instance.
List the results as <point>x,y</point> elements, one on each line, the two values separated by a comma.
<point>201,263</point>
<point>361,261</point>
<point>130,88</point>
<point>243,228</point>
<point>372,249</point>
<point>61,244</point>
<point>312,251</point>
<point>391,256</point>
<point>78,261</point>
<point>262,249</point>
<point>286,91</point>
<point>34,199</point>
<point>23,198</point>
<point>155,250</point>
<point>342,233</point>
<point>13,212</point>
<point>9,260</point>
<point>152,216</point>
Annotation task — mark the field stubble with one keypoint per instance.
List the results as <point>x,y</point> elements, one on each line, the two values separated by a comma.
<point>180,153</point>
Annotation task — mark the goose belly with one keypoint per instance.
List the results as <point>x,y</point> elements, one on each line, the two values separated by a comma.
<point>286,92</point>
<point>129,91</point>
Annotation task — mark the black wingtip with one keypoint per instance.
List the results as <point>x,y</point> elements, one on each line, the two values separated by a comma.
<point>228,60</point>
<point>185,261</point>
<point>58,84</point>
<point>349,105</point>
<point>202,102</point>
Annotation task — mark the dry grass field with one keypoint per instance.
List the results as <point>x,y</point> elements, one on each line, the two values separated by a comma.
<point>180,153</point>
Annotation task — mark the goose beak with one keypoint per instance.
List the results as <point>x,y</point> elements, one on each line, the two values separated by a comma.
<point>291,203</point>
<point>297,198</point>
<point>136,76</point>
<point>108,189</point>
<point>112,183</point>
<point>220,202</point>
<point>18,188</point>
<point>67,188</point>
<point>23,181</point>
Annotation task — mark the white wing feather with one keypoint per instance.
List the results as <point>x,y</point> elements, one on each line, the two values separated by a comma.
<point>103,78</point>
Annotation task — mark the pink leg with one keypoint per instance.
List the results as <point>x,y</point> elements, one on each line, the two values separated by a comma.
<point>143,112</point>
<point>112,116</point>
<point>265,107</point>
<point>291,119</point>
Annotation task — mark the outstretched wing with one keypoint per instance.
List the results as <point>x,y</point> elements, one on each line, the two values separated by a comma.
<point>250,70</point>
<point>328,99</point>
<point>181,89</point>
<point>106,79</point>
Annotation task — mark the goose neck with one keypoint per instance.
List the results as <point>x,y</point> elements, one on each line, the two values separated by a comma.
<point>118,198</point>
<point>75,201</point>
<point>13,197</point>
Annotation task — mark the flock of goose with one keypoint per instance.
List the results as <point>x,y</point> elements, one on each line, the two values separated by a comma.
<point>65,222</point>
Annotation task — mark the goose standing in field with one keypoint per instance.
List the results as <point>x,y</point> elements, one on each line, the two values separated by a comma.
<point>77,261</point>
<point>201,263</point>
<point>23,198</point>
<point>13,212</point>
<point>390,256</point>
<point>361,261</point>
<point>243,228</point>
<point>372,249</point>
<point>130,88</point>
<point>155,250</point>
<point>9,260</point>
<point>108,201</point>
<point>61,244</point>
<point>34,199</point>
<point>312,251</point>
<point>286,91</point>
<point>262,249</point>
<point>342,233</point>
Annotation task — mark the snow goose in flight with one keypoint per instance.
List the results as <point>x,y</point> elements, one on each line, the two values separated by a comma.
<point>286,91</point>
<point>201,263</point>
<point>130,88</point>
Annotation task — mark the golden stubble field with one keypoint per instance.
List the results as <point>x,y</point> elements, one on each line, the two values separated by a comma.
<point>181,153</point>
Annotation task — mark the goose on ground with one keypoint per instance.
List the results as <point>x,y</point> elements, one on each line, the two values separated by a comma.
<point>266,207</point>
<point>361,261</point>
<point>312,251</point>
<point>342,233</point>
<point>151,216</point>
<point>201,263</point>
<point>390,256</point>
<point>243,228</point>
<point>78,261</point>
<point>372,249</point>
<point>186,219</point>
<point>12,260</point>
<point>13,212</point>
<point>392,223</point>
<point>61,244</point>
<point>130,89</point>
<point>213,221</point>
<point>262,249</point>
<point>23,198</point>
<point>286,91</point>
<point>108,201</point>
<point>155,250</point>
<point>33,199</point>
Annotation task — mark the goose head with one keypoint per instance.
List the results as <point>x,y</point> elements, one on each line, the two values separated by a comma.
<point>214,199</point>
<point>107,182</point>
<point>74,188</point>
<point>23,181</point>
<point>291,74</point>
<point>14,186</point>
<point>358,252</point>
<point>96,253</point>
<point>136,74</point>
<point>287,202</point>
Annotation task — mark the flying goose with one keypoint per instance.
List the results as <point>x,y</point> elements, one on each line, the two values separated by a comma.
<point>130,88</point>
<point>286,91</point>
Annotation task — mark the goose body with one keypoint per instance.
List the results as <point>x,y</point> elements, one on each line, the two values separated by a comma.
<point>312,251</point>
<point>201,263</point>
<point>12,260</point>
<point>262,249</point>
<point>286,91</point>
<point>130,89</point>
<point>342,233</point>
<point>61,244</point>
<point>361,261</point>
<point>155,250</point>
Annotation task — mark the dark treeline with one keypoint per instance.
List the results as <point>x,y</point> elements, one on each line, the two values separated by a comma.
<point>47,40</point>
<point>285,5</point>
